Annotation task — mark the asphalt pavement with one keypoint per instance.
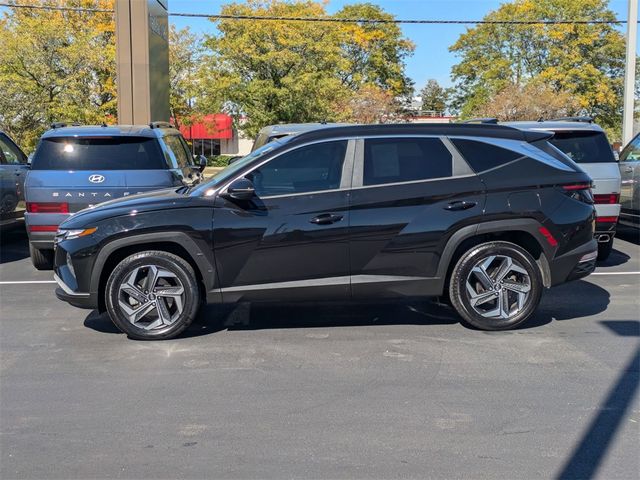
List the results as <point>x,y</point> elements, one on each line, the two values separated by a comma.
<point>323,391</point>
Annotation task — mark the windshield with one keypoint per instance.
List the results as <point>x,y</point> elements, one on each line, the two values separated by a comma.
<point>98,153</point>
<point>584,147</point>
<point>238,165</point>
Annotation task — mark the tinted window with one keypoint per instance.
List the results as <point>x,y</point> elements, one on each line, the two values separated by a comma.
<point>482,156</point>
<point>305,169</point>
<point>11,153</point>
<point>391,160</point>
<point>584,147</point>
<point>98,153</point>
<point>180,150</point>
<point>631,152</point>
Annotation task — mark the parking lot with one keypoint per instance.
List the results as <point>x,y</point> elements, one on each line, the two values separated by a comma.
<point>331,391</point>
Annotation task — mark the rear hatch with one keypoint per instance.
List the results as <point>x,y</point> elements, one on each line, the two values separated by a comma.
<point>69,174</point>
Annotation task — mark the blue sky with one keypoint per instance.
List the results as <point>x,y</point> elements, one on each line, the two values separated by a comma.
<point>431,58</point>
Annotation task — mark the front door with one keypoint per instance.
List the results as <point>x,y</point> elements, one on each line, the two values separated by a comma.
<point>13,170</point>
<point>291,240</point>
<point>408,195</point>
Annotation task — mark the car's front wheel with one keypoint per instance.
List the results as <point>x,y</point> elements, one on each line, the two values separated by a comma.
<point>496,286</point>
<point>152,295</point>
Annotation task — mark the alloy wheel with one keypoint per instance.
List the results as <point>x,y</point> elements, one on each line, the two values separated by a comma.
<point>498,287</point>
<point>152,297</point>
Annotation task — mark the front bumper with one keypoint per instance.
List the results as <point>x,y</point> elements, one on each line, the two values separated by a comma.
<point>78,299</point>
<point>577,263</point>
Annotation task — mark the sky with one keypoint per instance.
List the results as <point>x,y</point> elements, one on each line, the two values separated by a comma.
<point>431,58</point>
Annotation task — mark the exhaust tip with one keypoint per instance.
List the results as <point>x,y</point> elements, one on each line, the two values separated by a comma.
<point>603,238</point>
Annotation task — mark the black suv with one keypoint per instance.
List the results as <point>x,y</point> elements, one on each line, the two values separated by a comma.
<point>485,215</point>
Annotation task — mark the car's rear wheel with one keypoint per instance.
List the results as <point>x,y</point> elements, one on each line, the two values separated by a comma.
<point>152,295</point>
<point>604,249</point>
<point>41,259</point>
<point>496,286</point>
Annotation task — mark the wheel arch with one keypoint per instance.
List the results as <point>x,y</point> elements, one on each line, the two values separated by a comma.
<point>178,243</point>
<point>522,232</point>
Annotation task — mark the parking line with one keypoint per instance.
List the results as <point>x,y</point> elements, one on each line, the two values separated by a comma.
<point>615,273</point>
<point>20,282</point>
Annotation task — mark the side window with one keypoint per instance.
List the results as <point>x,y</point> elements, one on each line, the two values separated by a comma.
<point>631,153</point>
<point>392,160</point>
<point>11,154</point>
<point>180,151</point>
<point>483,156</point>
<point>306,169</point>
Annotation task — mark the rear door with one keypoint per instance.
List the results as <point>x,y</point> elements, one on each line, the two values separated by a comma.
<point>630,177</point>
<point>410,194</point>
<point>181,160</point>
<point>13,170</point>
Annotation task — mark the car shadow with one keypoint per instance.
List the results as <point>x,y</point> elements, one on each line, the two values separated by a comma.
<point>573,300</point>
<point>14,244</point>
<point>615,258</point>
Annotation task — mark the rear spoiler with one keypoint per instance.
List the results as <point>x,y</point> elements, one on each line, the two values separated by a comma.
<point>536,135</point>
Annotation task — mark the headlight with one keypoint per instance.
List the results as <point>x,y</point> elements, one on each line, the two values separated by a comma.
<point>64,234</point>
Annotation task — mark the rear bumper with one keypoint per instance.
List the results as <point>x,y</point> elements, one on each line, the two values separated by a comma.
<point>577,263</point>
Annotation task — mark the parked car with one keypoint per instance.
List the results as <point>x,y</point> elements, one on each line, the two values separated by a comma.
<point>76,167</point>
<point>587,145</point>
<point>630,190</point>
<point>13,170</point>
<point>488,215</point>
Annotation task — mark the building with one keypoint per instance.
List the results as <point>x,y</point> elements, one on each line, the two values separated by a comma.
<point>214,134</point>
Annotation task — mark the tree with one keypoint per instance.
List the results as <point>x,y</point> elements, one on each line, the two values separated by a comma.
<point>297,71</point>
<point>56,65</point>
<point>529,102</point>
<point>434,97</point>
<point>585,60</point>
<point>185,56</point>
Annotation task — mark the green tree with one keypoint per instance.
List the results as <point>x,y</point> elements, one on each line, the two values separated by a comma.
<point>56,65</point>
<point>434,97</point>
<point>297,71</point>
<point>587,61</point>
<point>185,56</point>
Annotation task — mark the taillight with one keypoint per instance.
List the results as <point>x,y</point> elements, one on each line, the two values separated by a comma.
<point>606,198</point>
<point>579,191</point>
<point>47,207</point>
<point>606,219</point>
<point>43,228</point>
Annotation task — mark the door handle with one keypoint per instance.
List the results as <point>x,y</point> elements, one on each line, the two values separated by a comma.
<point>461,205</point>
<point>326,219</point>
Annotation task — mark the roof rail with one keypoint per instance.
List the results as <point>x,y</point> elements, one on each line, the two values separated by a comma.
<point>64,124</point>
<point>572,119</point>
<point>160,125</point>
<point>489,120</point>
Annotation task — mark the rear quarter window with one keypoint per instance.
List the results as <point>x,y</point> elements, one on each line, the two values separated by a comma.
<point>98,153</point>
<point>483,156</point>
<point>584,147</point>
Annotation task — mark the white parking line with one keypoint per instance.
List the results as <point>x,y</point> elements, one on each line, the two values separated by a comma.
<point>20,282</point>
<point>615,273</point>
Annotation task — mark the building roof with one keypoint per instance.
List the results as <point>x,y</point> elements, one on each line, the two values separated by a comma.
<point>215,126</point>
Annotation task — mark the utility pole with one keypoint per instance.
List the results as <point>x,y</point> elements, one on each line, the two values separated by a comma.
<point>630,72</point>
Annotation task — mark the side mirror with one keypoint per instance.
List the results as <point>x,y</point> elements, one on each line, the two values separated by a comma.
<point>202,162</point>
<point>240,189</point>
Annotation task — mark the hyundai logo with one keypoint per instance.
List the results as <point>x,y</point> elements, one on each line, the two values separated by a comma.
<point>96,178</point>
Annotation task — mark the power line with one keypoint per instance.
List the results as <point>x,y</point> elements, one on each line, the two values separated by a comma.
<point>333,19</point>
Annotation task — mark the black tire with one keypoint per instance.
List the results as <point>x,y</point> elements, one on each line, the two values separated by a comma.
<point>183,273</point>
<point>41,259</point>
<point>460,298</point>
<point>604,250</point>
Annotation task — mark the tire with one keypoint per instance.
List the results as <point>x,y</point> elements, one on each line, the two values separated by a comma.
<point>523,275</point>
<point>604,250</point>
<point>135,304</point>
<point>41,259</point>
